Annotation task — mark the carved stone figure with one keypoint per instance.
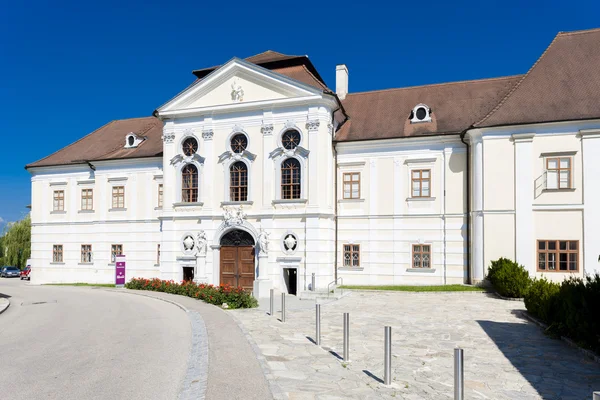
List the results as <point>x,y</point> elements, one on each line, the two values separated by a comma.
<point>263,241</point>
<point>202,242</point>
<point>237,93</point>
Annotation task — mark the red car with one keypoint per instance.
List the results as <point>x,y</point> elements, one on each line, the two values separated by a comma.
<point>25,273</point>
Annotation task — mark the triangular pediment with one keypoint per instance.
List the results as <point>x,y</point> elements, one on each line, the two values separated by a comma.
<point>238,84</point>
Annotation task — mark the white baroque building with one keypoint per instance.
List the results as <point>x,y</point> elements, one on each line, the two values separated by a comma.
<point>258,175</point>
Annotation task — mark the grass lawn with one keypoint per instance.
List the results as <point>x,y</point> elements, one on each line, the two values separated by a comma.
<point>439,288</point>
<point>82,284</point>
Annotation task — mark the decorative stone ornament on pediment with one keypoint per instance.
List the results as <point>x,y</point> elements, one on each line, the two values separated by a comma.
<point>181,159</point>
<point>233,216</point>
<point>237,92</point>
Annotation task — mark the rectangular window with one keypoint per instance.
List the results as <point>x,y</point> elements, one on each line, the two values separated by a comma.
<point>558,255</point>
<point>351,255</point>
<point>158,254</point>
<point>558,173</point>
<point>86,253</point>
<point>421,180</point>
<point>87,199</point>
<point>351,185</point>
<point>57,253</point>
<point>160,195</point>
<point>421,256</point>
<point>59,200</point>
<point>115,250</point>
<point>118,197</point>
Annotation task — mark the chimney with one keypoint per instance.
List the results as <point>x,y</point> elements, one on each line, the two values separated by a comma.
<point>341,81</point>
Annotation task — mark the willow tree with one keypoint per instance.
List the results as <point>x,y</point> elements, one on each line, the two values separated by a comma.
<point>16,243</point>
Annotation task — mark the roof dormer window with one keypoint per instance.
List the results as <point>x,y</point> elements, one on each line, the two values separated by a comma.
<point>421,113</point>
<point>132,140</point>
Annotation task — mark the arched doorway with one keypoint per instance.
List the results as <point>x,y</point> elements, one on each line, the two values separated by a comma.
<point>237,259</point>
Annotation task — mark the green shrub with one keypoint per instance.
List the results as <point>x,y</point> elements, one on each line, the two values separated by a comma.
<point>508,278</point>
<point>541,298</point>
<point>578,311</point>
<point>217,295</point>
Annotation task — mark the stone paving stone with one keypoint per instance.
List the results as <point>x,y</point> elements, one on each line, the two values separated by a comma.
<point>506,357</point>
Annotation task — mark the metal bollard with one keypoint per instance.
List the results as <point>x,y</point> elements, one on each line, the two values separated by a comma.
<point>459,378</point>
<point>387,356</point>
<point>272,305</point>
<point>312,287</point>
<point>318,324</point>
<point>282,307</point>
<point>346,337</point>
<point>596,396</point>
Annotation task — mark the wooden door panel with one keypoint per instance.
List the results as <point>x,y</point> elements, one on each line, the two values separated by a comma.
<point>228,266</point>
<point>246,267</point>
<point>237,266</point>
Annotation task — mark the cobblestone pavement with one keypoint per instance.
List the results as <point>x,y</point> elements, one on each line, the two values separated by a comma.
<point>505,356</point>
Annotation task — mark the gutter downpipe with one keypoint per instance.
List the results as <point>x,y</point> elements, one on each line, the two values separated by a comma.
<point>462,139</point>
<point>335,179</point>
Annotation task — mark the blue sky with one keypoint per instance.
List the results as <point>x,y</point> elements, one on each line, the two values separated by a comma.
<point>69,67</point>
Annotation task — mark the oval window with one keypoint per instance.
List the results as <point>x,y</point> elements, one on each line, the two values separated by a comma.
<point>239,143</point>
<point>190,146</point>
<point>290,139</point>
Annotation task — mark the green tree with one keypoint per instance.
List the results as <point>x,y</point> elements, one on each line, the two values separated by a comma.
<point>16,243</point>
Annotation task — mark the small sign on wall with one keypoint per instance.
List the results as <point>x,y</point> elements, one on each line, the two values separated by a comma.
<point>120,270</point>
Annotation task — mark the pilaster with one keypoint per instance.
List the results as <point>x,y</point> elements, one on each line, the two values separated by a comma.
<point>208,195</point>
<point>590,149</point>
<point>477,242</point>
<point>524,191</point>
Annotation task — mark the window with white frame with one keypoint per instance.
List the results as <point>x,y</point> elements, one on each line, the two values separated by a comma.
<point>559,173</point>
<point>351,185</point>
<point>118,197</point>
<point>59,200</point>
<point>421,183</point>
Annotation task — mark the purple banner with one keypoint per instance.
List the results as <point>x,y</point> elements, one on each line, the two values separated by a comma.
<point>120,270</point>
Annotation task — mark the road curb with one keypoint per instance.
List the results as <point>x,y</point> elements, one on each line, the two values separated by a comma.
<point>4,304</point>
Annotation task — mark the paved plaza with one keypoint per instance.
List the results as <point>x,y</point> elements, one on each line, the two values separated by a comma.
<point>506,357</point>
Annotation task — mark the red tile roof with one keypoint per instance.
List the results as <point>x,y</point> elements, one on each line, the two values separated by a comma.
<point>384,114</point>
<point>107,143</point>
<point>564,84</point>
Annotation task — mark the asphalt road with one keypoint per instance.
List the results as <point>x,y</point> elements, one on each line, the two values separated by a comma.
<point>60,342</point>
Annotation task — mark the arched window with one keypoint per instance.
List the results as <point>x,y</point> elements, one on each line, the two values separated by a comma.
<point>290,179</point>
<point>238,182</point>
<point>189,184</point>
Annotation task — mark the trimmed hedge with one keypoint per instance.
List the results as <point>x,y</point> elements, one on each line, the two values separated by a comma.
<point>571,309</point>
<point>541,297</point>
<point>217,295</point>
<point>509,278</point>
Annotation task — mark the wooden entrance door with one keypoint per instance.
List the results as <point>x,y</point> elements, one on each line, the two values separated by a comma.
<point>237,266</point>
